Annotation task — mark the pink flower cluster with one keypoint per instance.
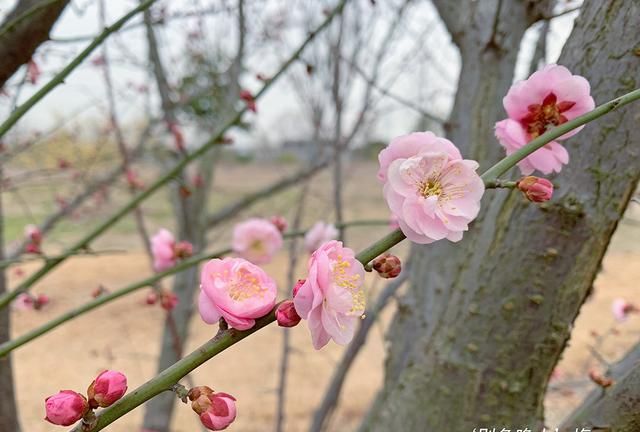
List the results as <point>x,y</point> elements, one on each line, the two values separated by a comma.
<point>236,290</point>
<point>67,406</point>
<point>550,97</point>
<point>331,299</point>
<point>166,252</point>
<point>432,191</point>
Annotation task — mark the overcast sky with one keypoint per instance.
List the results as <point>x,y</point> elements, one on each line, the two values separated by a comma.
<point>82,96</point>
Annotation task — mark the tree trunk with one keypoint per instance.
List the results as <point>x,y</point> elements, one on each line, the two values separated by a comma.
<point>485,320</point>
<point>26,27</point>
<point>190,214</point>
<point>8,408</point>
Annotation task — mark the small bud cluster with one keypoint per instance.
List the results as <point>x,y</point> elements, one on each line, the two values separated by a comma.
<point>67,406</point>
<point>216,410</point>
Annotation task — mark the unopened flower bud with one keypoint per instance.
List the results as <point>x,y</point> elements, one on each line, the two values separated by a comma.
<point>248,99</point>
<point>152,298</point>
<point>221,413</point>
<point>388,266</point>
<point>599,379</point>
<point>40,301</point>
<point>65,408</point>
<point>297,286</point>
<point>622,308</point>
<point>280,222</point>
<point>168,300</point>
<point>536,189</point>
<point>107,388</point>
<point>286,314</point>
<point>183,250</point>
<point>199,397</point>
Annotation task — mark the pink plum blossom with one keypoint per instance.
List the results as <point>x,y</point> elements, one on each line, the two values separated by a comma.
<point>332,299</point>
<point>256,240</point>
<point>221,413</point>
<point>236,290</point>
<point>413,144</point>
<point>108,387</point>
<point>549,97</point>
<point>434,193</point>
<point>166,251</point>
<point>318,234</point>
<point>65,408</point>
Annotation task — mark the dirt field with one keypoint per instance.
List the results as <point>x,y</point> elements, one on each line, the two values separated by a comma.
<point>125,334</point>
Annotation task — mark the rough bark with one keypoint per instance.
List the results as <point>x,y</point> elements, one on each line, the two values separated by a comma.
<point>485,320</point>
<point>615,408</point>
<point>25,28</point>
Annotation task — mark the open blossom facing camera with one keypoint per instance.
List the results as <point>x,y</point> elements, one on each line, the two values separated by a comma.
<point>432,191</point>
<point>236,290</point>
<point>549,97</point>
<point>318,234</point>
<point>166,251</point>
<point>256,240</point>
<point>331,299</point>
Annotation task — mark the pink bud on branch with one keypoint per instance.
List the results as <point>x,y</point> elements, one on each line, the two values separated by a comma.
<point>286,314</point>
<point>388,266</point>
<point>107,388</point>
<point>536,189</point>
<point>65,408</point>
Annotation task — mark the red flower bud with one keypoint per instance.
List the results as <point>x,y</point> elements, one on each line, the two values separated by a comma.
<point>221,413</point>
<point>280,222</point>
<point>199,397</point>
<point>388,266</point>
<point>65,408</point>
<point>152,298</point>
<point>286,314</point>
<point>536,189</point>
<point>107,388</point>
<point>168,300</point>
<point>248,99</point>
<point>599,379</point>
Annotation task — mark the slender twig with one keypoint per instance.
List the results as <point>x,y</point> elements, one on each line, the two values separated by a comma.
<point>60,77</point>
<point>500,184</point>
<point>170,174</point>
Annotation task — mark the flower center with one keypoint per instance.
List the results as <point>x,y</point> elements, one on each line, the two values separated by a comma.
<point>542,117</point>
<point>350,282</point>
<point>257,246</point>
<point>430,187</point>
<point>245,285</point>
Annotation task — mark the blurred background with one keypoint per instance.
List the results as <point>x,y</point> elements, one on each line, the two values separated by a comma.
<point>167,82</point>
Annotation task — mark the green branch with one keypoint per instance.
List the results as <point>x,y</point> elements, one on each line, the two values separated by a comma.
<point>223,340</point>
<point>59,78</point>
<point>216,139</point>
<point>510,161</point>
